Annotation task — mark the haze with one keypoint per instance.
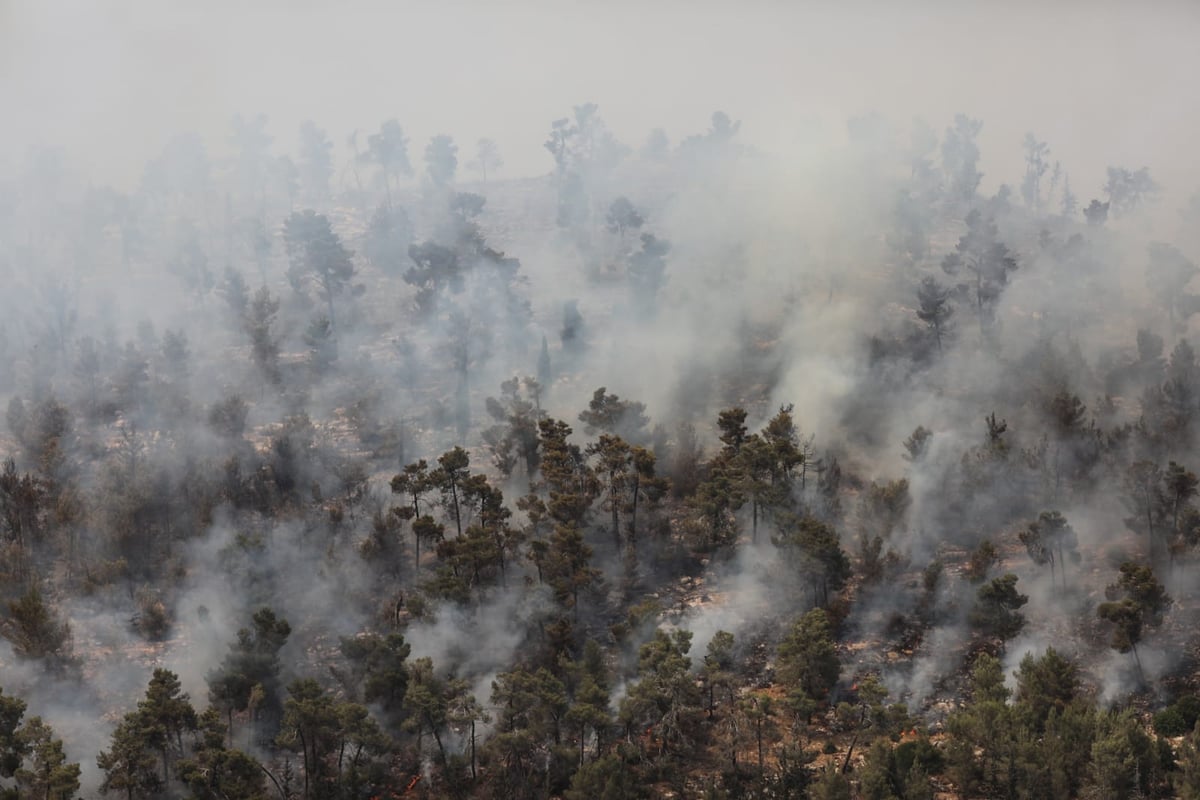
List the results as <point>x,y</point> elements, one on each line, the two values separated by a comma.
<point>405,383</point>
<point>1106,82</point>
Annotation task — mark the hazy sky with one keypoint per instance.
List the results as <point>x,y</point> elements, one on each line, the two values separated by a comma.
<point>1101,82</point>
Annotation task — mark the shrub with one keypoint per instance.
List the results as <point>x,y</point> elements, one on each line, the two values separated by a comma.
<point>1179,718</point>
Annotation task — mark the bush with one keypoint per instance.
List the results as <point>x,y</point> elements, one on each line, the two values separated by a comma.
<point>152,620</point>
<point>1179,718</point>
<point>921,752</point>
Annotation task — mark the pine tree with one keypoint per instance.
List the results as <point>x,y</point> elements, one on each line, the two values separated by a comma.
<point>1136,601</point>
<point>214,772</point>
<point>988,261</point>
<point>48,775</point>
<point>130,766</point>
<point>807,658</point>
<point>165,713</point>
<point>317,252</point>
<point>995,612</point>
<point>934,309</point>
<point>251,669</point>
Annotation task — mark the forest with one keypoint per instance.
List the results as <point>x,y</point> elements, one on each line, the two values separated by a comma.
<point>350,466</point>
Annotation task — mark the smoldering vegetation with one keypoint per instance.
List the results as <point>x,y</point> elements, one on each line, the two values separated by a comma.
<point>685,469</point>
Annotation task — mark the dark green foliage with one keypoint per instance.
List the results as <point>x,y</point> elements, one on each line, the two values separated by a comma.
<point>448,479</point>
<point>808,660</point>
<point>41,428</point>
<point>1136,601</point>
<point>47,773</point>
<point>1124,760</point>
<point>146,454</point>
<point>35,629</point>
<point>317,253</point>
<point>513,440</point>
<point>877,776</point>
<point>1050,540</point>
<point>623,216</point>
<point>917,444</point>
<point>435,270</point>
<point>918,754</point>
<point>665,701</point>
<point>716,673</point>
<point>1187,779</point>
<point>164,715</point>
<point>1046,684</point>
<point>250,672</point>
<point>811,551</point>
<point>1179,718</point>
<point>569,482</point>
<point>607,413</point>
<point>263,342</point>
<point>988,263</point>
<point>129,764</point>
<point>1039,745</point>
<point>24,503</point>
<point>12,746</point>
<point>995,612</point>
<point>934,309</point>
<point>214,772</point>
<point>322,346</point>
<point>830,784</point>
<point>982,560</point>
<point>1096,212</point>
<point>574,331</point>
<point>647,273</point>
<point>606,778</point>
<point>388,152</point>
<point>336,740</point>
<point>228,417</point>
<point>426,704</point>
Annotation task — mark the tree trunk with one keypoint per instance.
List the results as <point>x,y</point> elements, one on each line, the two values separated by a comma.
<point>416,553</point>
<point>979,299</point>
<point>473,776</point>
<point>332,318</point>
<point>1062,566</point>
<point>267,772</point>
<point>304,751</point>
<point>754,524</point>
<point>437,738</point>
<point>633,511</point>
<point>849,753</point>
<point>616,530</point>
<point>761,773</point>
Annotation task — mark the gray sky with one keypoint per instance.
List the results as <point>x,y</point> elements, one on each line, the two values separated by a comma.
<point>112,81</point>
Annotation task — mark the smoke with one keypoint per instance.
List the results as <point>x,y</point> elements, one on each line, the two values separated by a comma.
<point>241,467</point>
